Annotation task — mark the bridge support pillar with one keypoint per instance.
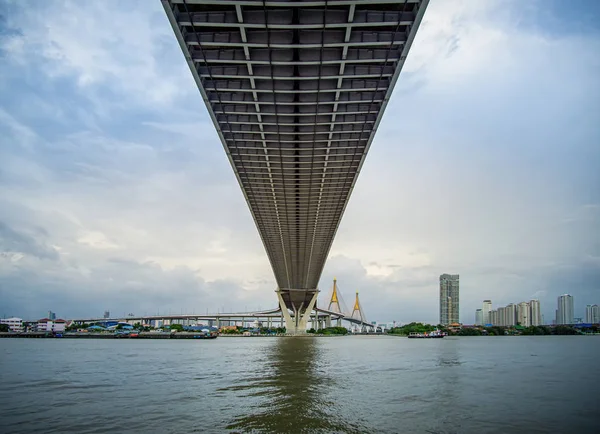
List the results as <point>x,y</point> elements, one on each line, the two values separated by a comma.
<point>297,324</point>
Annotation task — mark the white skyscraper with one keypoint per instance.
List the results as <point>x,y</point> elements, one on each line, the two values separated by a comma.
<point>523,314</point>
<point>592,314</point>
<point>501,316</point>
<point>535,313</point>
<point>565,313</point>
<point>494,317</point>
<point>478,317</point>
<point>487,308</point>
<point>510,315</point>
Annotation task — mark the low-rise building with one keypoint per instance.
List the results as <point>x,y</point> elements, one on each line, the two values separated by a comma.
<point>14,324</point>
<point>54,326</point>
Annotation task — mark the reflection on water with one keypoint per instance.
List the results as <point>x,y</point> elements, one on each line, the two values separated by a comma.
<point>295,392</point>
<point>448,354</point>
<point>448,388</point>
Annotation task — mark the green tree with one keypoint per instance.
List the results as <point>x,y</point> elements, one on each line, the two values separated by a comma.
<point>4,328</point>
<point>176,327</point>
<point>564,330</point>
<point>334,331</point>
<point>413,327</point>
<point>536,331</point>
<point>442,328</point>
<point>75,327</point>
<point>469,331</point>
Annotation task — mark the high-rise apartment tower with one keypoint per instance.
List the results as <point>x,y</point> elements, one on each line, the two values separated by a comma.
<point>478,317</point>
<point>592,314</point>
<point>565,313</point>
<point>487,308</point>
<point>523,313</point>
<point>535,313</point>
<point>449,299</point>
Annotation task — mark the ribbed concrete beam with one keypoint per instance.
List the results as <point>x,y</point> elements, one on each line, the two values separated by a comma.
<point>296,91</point>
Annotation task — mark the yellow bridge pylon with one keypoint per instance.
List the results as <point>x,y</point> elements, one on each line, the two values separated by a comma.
<point>336,303</point>
<point>357,312</point>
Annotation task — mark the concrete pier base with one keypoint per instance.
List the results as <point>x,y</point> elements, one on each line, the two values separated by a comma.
<point>296,324</point>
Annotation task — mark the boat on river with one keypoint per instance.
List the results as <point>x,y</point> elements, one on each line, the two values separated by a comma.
<point>436,334</point>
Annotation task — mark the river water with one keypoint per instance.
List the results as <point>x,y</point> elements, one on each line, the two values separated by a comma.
<point>356,384</point>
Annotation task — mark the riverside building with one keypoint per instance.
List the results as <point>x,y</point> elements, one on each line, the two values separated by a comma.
<point>535,313</point>
<point>523,317</point>
<point>449,299</point>
<point>487,308</point>
<point>14,324</point>
<point>478,317</point>
<point>592,314</point>
<point>565,312</point>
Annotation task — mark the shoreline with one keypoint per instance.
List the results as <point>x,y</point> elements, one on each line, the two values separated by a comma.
<point>146,335</point>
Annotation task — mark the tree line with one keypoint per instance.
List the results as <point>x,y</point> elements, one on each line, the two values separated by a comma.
<point>417,327</point>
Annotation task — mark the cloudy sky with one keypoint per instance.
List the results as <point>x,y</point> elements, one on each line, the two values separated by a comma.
<point>115,192</point>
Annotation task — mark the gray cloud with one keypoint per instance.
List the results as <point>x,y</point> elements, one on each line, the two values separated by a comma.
<point>12,241</point>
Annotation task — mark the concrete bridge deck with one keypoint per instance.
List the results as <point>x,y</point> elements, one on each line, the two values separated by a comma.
<point>296,91</point>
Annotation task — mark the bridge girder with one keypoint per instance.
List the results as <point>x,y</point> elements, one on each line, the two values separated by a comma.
<point>296,91</point>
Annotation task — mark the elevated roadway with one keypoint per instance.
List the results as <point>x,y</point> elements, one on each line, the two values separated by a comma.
<point>272,315</point>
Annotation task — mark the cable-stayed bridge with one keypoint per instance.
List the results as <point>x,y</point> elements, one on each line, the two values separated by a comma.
<point>335,313</point>
<point>296,91</point>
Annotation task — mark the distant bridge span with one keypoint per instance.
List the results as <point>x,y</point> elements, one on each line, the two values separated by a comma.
<point>296,91</point>
<point>233,316</point>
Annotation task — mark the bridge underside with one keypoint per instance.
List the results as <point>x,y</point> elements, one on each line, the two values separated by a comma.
<point>296,90</point>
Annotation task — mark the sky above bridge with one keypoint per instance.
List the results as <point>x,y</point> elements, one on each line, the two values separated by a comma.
<point>116,194</point>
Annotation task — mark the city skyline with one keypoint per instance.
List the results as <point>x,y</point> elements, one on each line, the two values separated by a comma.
<point>495,316</point>
<point>534,312</point>
<point>530,313</point>
<point>498,316</point>
<point>114,197</point>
